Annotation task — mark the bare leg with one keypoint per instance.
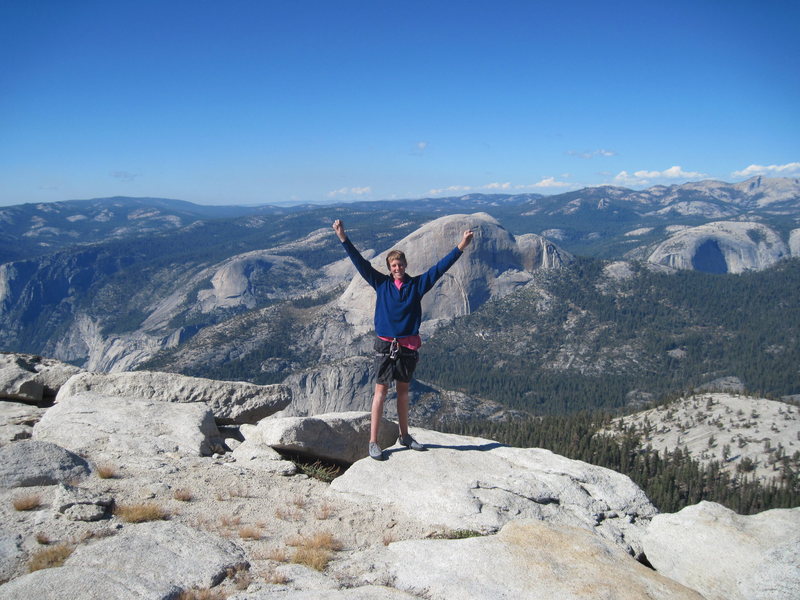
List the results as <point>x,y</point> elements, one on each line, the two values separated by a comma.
<point>402,406</point>
<point>377,410</point>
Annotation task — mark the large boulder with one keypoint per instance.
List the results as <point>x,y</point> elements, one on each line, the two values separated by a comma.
<point>36,462</point>
<point>338,437</point>
<point>30,378</point>
<point>472,483</point>
<point>232,402</point>
<point>87,584</point>
<point>164,552</point>
<point>96,424</point>
<point>726,556</point>
<point>527,559</point>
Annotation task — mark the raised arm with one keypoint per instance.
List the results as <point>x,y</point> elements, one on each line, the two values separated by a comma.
<point>363,266</point>
<point>338,227</point>
<point>466,239</point>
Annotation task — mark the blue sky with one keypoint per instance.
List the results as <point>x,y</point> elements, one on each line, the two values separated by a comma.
<point>249,102</point>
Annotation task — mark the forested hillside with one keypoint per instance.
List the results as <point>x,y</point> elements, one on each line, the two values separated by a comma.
<point>581,339</point>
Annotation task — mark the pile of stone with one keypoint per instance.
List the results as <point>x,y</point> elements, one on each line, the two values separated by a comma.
<point>467,518</point>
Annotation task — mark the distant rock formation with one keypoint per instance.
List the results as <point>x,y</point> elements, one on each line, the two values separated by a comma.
<point>721,247</point>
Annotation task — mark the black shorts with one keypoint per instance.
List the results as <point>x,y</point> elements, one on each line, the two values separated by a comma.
<point>400,368</point>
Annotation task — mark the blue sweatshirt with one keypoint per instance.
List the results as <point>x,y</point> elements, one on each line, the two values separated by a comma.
<point>398,313</point>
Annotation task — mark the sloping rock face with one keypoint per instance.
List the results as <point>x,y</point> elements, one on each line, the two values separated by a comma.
<point>528,559</point>
<point>35,462</point>
<point>492,267</point>
<point>150,560</point>
<point>32,379</point>
<point>726,556</point>
<point>339,437</point>
<point>97,424</point>
<point>472,483</point>
<point>722,247</point>
<point>231,402</point>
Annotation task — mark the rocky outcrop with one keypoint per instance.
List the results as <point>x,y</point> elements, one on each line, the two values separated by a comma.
<point>726,556</point>
<point>32,379</point>
<point>721,247</point>
<point>231,402</point>
<point>547,561</point>
<point>472,483</point>
<point>150,560</point>
<point>98,424</point>
<point>36,462</point>
<point>337,437</point>
<point>495,265</point>
<point>17,420</point>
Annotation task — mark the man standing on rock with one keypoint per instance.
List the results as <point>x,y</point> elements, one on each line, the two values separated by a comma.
<point>398,315</point>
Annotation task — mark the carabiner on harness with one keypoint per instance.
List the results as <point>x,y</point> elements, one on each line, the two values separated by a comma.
<point>394,349</point>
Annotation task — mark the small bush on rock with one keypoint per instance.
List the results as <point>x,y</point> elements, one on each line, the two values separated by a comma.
<point>47,558</point>
<point>27,502</point>
<point>140,513</point>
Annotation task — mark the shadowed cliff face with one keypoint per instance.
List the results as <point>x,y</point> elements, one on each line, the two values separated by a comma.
<point>709,258</point>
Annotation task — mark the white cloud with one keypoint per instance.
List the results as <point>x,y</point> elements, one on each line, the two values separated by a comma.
<point>602,152</point>
<point>350,191</point>
<point>646,177</point>
<point>450,190</point>
<point>787,169</point>
<point>550,182</point>
<point>498,186</point>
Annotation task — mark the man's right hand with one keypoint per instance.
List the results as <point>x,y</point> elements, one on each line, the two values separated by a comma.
<point>338,227</point>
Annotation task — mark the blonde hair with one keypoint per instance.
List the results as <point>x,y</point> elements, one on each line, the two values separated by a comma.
<point>395,255</point>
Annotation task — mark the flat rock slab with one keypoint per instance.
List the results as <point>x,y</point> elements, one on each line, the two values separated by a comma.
<point>472,483</point>
<point>339,437</point>
<point>164,553</point>
<point>86,584</point>
<point>31,462</point>
<point>232,402</point>
<point>527,559</point>
<point>17,420</point>
<point>94,423</point>
<point>726,556</point>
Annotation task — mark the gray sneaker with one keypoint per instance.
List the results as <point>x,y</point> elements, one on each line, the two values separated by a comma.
<point>375,451</point>
<point>410,442</point>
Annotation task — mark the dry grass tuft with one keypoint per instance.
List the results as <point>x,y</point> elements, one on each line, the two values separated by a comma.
<point>277,554</point>
<point>183,495</point>
<point>204,594</point>
<point>288,514</point>
<point>139,513</point>
<point>43,539</point>
<point>250,532</point>
<point>315,551</point>
<point>107,471</point>
<point>27,502</point>
<point>324,512</point>
<point>277,578</point>
<point>52,556</point>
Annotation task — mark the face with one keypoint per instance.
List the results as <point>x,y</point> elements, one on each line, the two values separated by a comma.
<point>397,268</point>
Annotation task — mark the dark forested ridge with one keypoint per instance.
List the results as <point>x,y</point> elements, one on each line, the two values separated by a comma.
<point>577,339</point>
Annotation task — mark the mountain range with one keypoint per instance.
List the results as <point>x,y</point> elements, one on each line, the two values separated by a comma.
<point>263,293</point>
